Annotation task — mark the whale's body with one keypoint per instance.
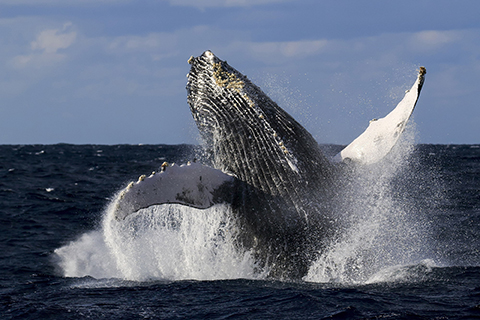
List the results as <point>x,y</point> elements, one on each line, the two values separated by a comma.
<point>265,165</point>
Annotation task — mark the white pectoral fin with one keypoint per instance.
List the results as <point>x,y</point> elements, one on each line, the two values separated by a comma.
<point>193,185</point>
<point>382,134</point>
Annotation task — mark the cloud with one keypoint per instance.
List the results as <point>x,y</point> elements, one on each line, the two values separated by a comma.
<point>432,40</point>
<point>46,46</point>
<point>57,2</point>
<point>289,49</point>
<point>184,3</point>
<point>151,42</point>
<point>340,80</point>
<point>223,3</point>
<point>51,40</point>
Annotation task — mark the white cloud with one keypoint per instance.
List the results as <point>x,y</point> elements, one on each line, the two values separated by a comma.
<point>153,41</point>
<point>431,40</point>
<point>185,3</point>
<point>223,3</point>
<point>51,40</point>
<point>348,80</point>
<point>289,49</point>
<point>57,2</point>
<point>45,48</point>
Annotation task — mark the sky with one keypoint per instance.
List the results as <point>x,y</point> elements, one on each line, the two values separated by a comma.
<point>114,71</point>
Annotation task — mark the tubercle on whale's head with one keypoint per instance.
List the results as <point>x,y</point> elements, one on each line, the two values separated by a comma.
<point>210,71</point>
<point>211,83</point>
<point>219,96</point>
<point>215,88</point>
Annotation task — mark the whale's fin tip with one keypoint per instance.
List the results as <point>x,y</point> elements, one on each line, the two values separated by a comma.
<point>382,134</point>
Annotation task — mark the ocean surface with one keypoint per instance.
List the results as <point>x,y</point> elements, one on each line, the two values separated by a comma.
<point>410,249</point>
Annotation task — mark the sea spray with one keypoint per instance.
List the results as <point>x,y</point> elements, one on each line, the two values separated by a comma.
<point>87,256</point>
<point>178,242</point>
<point>170,242</point>
<point>381,227</point>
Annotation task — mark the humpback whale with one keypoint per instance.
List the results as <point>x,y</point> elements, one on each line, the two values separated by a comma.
<point>265,165</point>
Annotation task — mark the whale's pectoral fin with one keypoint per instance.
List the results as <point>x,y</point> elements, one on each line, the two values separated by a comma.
<point>382,134</point>
<point>193,185</point>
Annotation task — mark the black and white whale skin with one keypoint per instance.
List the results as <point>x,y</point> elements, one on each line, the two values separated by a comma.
<point>265,165</point>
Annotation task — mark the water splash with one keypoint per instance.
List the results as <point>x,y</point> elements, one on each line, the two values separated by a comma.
<point>382,229</point>
<point>169,242</point>
<point>87,256</point>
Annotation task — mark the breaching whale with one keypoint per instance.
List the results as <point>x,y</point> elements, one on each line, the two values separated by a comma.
<point>265,165</point>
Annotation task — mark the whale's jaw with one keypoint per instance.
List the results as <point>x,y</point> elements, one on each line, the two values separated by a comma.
<point>285,178</point>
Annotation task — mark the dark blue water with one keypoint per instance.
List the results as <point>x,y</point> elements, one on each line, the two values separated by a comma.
<point>52,195</point>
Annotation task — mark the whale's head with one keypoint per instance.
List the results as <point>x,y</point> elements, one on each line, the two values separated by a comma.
<point>226,106</point>
<point>248,134</point>
<point>285,178</point>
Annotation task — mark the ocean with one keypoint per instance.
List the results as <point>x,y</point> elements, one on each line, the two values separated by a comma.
<point>410,248</point>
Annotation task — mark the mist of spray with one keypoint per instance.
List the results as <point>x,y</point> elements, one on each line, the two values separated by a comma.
<point>169,242</point>
<point>383,231</point>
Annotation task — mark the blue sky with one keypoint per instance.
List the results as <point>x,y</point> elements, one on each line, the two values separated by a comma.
<point>113,71</point>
